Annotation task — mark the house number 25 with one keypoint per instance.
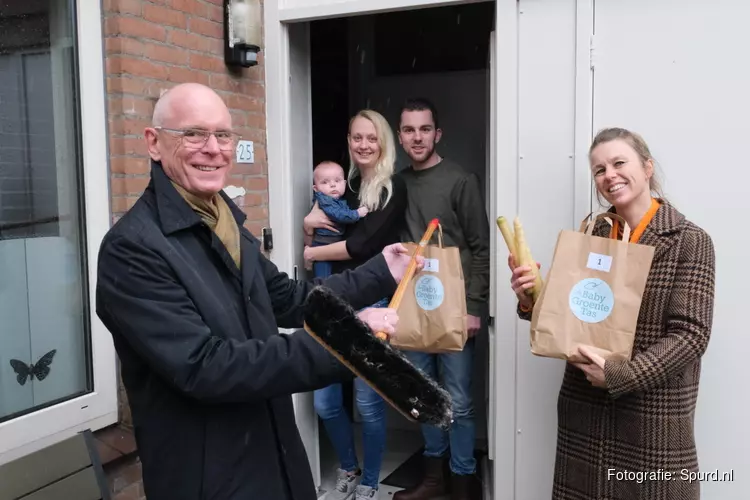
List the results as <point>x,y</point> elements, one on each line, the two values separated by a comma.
<point>245,152</point>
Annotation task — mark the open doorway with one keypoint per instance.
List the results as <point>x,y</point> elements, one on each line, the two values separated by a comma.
<point>377,61</point>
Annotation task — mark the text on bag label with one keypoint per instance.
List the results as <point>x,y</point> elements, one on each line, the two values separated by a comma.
<point>429,292</point>
<point>599,262</point>
<point>591,300</point>
<point>431,265</point>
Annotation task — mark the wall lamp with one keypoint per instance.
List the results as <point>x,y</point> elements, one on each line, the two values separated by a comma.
<point>242,32</point>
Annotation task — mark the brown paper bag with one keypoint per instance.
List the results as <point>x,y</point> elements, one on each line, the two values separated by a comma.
<point>592,295</point>
<point>432,313</point>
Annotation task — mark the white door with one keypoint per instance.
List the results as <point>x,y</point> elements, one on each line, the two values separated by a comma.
<point>290,190</point>
<point>286,57</point>
<point>679,75</point>
<point>491,197</point>
<point>300,146</point>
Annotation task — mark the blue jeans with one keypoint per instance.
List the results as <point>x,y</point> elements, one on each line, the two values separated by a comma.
<point>329,407</point>
<point>456,370</point>
<point>322,268</point>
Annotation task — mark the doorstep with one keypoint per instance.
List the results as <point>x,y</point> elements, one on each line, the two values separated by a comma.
<point>114,443</point>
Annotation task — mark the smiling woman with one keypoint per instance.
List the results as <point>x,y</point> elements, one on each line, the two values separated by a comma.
<point>623,170</point>
<point>370,184</point>
<point>372,151</point>
<point>637,403</point>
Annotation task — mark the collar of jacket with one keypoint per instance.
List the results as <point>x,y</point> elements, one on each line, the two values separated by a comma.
<point>661,230</point>
<point>174,212</point>
<point>666,220</point>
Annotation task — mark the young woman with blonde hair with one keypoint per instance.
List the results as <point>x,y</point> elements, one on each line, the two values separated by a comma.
<point>370,183</point>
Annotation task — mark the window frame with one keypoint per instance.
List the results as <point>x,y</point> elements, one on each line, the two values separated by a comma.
<point>99,408</point>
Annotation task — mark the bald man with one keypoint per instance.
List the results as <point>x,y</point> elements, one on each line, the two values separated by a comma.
<point>194,309</point>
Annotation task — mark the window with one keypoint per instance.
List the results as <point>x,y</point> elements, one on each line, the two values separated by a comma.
<point>56,362</point>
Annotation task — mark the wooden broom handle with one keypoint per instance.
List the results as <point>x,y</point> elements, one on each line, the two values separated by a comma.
<point>410,270</point>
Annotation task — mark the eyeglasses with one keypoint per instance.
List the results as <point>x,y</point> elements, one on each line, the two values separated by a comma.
<point>197,138</point>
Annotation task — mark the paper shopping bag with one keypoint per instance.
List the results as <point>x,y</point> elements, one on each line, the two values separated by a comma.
<point>592,295</point>
<point>432,313</point>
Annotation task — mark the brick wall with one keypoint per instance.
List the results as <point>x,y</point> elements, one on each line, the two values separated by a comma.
<point>152,45</point>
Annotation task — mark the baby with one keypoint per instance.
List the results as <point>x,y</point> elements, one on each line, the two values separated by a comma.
<point>328,186</point>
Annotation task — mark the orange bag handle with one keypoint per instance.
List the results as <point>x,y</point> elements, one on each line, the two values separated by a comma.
<point>411,269</point>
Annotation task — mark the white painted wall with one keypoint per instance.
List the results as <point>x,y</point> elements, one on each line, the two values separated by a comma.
<point>685,90</point>
<point>546,204</point>
<point>680,75</point>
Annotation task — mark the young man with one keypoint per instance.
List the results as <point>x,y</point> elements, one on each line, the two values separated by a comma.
<point>438,187</point>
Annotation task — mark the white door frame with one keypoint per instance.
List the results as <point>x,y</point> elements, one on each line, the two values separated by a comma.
<point>280,120</point>
<point>584,101</point>
<point>503,305</point>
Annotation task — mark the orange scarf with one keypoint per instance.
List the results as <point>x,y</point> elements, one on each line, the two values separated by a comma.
<point>642,225</point>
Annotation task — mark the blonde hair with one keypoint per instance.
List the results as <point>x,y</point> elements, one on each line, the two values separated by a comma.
<point>372,187</point>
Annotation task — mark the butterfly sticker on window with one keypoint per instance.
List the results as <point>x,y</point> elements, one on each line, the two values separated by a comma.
<point>40,370</point>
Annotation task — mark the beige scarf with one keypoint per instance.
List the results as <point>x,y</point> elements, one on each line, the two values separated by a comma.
<point>218,216</point>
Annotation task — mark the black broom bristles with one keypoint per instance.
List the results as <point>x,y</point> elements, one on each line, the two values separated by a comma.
<point>335,325</point>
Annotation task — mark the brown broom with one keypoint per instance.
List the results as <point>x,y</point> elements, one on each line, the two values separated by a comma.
<point>334,324</point>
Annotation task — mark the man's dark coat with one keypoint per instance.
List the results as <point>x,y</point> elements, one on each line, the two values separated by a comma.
<point>208,375</point>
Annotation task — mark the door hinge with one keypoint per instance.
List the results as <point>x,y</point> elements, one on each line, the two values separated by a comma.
<point>592,51</point>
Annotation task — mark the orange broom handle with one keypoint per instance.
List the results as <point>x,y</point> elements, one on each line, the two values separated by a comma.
<point>410,270</point>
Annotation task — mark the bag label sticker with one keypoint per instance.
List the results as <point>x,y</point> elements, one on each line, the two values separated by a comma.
<point>591,300</point>
<point>431,265</point>
<point>599,262</point>
<point>429,292</point>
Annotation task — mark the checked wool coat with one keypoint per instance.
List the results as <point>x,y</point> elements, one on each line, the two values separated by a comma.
<point>643,421</point>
